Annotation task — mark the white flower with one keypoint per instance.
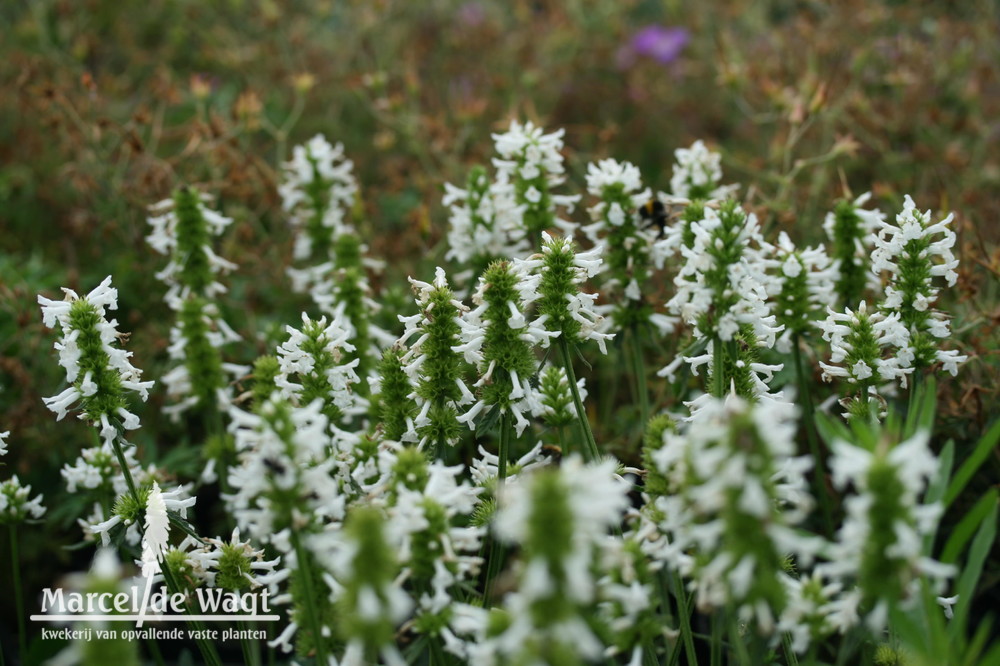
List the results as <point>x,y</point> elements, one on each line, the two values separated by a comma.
<point>164,240</point>
<point>531,161</point>
<point>317,163</point>
<point>83,318</point>
<point>154,537</point>
<point>15,505</point>
<point>697,174</point>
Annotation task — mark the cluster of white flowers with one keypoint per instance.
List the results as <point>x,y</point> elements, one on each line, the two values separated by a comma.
<point>880,544</point>
<point>200,324</point>
<point>737,494</point>
<point>851,230</point>
<point>805,288</point>
<point>698,174</point>
<point>627,245</point>
<point>16,503</point>
<point>428,363</point>
<point>283,479</point>
<point>166,239</point>
<point>503,304</point>
<point>316,356</point>
<point>88,345</point>
<point>560,518</point>
<point>724,282</point>
<point>177,500</point>
<point>485,221</point>
<point>858,341</point>
<point>914,252</point>
<point>531,161</point>
<point>318,190</point>
<point>565,309</point>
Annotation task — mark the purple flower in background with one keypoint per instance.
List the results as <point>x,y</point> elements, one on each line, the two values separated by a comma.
<point>471,15</point>
<point>658,42</point>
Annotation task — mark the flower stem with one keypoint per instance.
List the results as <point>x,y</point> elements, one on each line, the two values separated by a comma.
<point>251,650</point>
<point>805,399</point>
<point>496,549</point>
<point>307,589</point>
<point>639,370</point>
<point>206,648</point>
<point>718,365</point>
<point>684,613</point>
<point>590,451</point>
<point>22,634</point>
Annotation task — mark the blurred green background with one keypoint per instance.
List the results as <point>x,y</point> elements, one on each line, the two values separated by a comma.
<point>106,106</point>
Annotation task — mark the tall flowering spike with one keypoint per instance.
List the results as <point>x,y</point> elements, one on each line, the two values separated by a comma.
<point>156,533</point>
<point>344,294</point>
<point>806,280</point>
<point>627,245</point>
<point>531,161</point>
<point>314,366</point>
<point>371,606</point>
<point>318,190</point>
<point>879,546</point>
<point>562,307</point>
<point>485,221</point>
<point>559,517</point>
<point>201,378</point>
<point>183,228</point>
<point>283,481</point>
<point>736,495</point>
<point>698,174</point>
<point>429,513</point>
<point>724,281</point>
<point>498,338</point>
<point>99,372</point>
<point>849,228</point>
<point>433,365</point>
<point>860,345</point>
<point>914,251</point>
<point>392,399</point>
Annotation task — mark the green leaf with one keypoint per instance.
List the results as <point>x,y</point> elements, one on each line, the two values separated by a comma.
<point>973,570</point>
<point>966,527</point>
<point>920,416</point>
<point>831,429</point>
<point>972,464</point>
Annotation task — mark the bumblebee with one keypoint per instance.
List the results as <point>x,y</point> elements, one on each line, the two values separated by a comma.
<point>654,213</point>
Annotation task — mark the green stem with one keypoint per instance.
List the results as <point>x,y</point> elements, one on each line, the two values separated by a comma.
<point>315,626</point>
<point>718,372</point>
<point>251,649</point>
<point>805,399</point>
<point>715,645</point>
<point>639,370</point>
<point>496,549</point>
<point>590,451</point>
<point>126,472</point>
<point>22,634</point>
<point>207,649</point>
<point>684,613</point>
